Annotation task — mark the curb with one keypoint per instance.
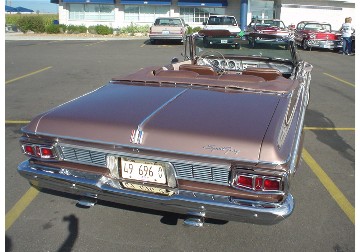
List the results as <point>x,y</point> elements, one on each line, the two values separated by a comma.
<point>21,36</point>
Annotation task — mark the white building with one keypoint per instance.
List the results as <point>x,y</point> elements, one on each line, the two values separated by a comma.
<point>121,13</point>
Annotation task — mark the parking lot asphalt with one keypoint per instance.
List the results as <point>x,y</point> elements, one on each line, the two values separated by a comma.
<point>43,73</point>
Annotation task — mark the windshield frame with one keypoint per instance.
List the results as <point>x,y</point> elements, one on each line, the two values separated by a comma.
<point>192,49</point>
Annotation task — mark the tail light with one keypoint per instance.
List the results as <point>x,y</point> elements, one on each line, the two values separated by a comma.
<point>39,151</point>
<point>257,182</point>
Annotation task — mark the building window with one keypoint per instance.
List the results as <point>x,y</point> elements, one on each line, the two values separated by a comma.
<point>199,15</point>
<point>145,13</point>
<point>93,12</point>
<point>262,9</point>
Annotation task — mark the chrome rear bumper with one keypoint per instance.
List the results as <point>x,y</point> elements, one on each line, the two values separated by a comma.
<point>182,202</point>
<point>166,37</point>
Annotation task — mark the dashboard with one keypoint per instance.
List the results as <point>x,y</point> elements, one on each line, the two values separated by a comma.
<point>238,65</point>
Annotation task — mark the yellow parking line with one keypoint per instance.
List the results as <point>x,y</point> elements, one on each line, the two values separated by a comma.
<point>19,207</point>
<point>320,128</point>
<point>343,81</point>
<point>16,122</point>
<point>334,191</point>
<point>29,74</point>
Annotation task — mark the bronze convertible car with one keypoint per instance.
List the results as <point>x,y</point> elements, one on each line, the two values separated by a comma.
<point>218,135</point>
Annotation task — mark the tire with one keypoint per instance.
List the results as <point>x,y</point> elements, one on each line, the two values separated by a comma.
<point>206,43</point>
<point>237,46</point>
<point>304,45</point>
<point>252,43</point>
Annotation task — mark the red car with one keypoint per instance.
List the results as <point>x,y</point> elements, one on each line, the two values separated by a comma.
<point>267,27</point>
<point>309,34</point>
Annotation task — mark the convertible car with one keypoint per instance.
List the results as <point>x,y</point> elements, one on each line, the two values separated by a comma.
<point>217,135</point>
<point>313,34</point>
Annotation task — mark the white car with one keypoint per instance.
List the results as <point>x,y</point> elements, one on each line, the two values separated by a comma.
<point>222,22</point>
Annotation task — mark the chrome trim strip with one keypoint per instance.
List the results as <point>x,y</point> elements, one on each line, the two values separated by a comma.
<point>306,78</point>
<point>182,202</point>
<point>142,124</point>
<point>53,109</point>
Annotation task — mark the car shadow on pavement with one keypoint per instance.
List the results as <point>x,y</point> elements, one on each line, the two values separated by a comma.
<point>329,137</point>
<point>163,42</point>
<point>168,218</point>
<point>8,244</point>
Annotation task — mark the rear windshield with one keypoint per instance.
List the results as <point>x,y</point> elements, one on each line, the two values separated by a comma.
<point>168,21</point>
<point>270,23</point>
<point>221,21</point>
<point>318,27</point>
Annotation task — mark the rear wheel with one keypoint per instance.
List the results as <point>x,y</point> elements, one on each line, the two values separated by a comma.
<point>252,43</point>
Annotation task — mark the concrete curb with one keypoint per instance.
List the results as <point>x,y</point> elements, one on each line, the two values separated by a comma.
<point>50,37</point>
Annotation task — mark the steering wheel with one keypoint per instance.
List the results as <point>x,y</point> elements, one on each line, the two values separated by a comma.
<point>207,58</point>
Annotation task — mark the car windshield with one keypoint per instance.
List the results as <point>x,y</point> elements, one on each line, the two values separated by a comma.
<point>318,27</point>
<point>221,21</point>
<point>241,46</point>
<point>270,23</point>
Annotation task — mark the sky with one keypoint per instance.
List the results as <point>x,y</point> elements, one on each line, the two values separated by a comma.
<point>43,6</point>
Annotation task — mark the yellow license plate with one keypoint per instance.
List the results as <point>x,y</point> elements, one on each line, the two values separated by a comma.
<point>146,188</point>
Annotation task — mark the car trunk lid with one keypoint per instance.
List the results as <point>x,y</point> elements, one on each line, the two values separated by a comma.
<point>179,120</point>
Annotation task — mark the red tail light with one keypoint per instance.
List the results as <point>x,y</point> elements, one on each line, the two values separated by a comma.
<point>271,184</point>
<point>46,153</point>
<point>39,151</point>
<point>245,181</point>
<point>28,149</point>
<point>257,182</point>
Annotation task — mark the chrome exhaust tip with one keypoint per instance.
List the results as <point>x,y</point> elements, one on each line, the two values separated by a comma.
<point>195,218</point>
<point>86,202</point>
<point>194,221</point>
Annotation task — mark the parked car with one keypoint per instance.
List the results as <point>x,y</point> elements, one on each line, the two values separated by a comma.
<point>217,135</point>
<point>222,22</point>
<point>312,34</point>
<point>219,38</point>
<point>168,28</point>
<point>268,27</point>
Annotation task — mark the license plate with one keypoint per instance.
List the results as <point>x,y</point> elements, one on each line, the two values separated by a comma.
<point>223,41</point>
<point>165,32</point>
<point>146,188</point>
<point>142,170</point>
